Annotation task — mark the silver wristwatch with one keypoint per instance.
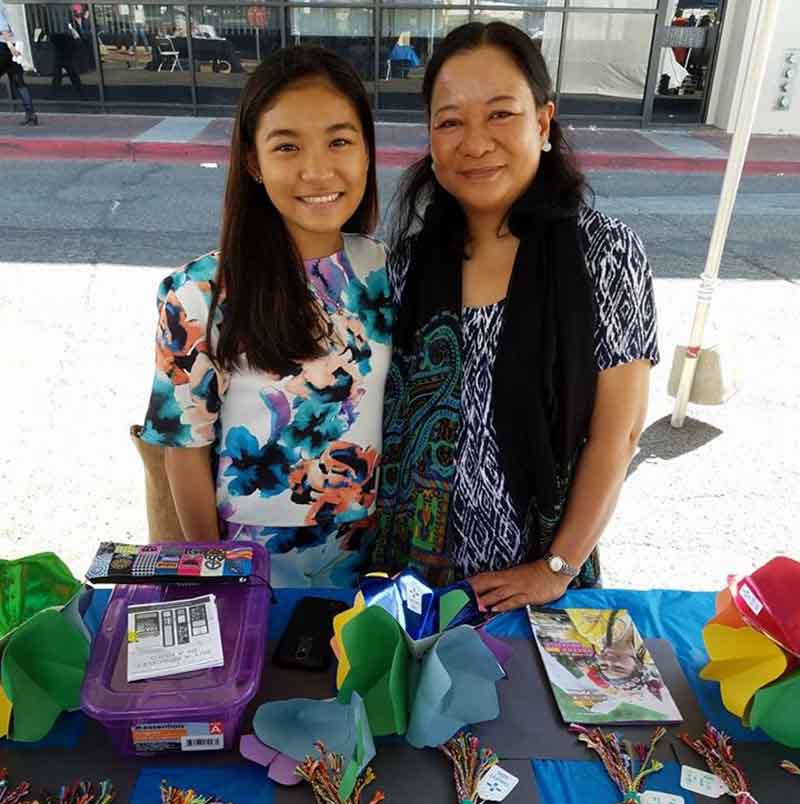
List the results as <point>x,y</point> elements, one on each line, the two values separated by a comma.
<point>560,566</point>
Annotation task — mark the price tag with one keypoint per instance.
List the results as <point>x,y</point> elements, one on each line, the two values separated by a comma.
<point>496,784</point>
<point>702,782</point>
<point>749,597</point>
<point>654,797</point>
<point>414,592</point>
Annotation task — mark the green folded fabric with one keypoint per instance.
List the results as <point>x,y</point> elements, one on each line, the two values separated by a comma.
<point>30,584</point>
<point>42,668</point>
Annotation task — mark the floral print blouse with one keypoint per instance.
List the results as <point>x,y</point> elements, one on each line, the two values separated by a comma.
<point>293,451</point>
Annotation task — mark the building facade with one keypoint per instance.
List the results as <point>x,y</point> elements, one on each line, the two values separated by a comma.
<point>620,62</point>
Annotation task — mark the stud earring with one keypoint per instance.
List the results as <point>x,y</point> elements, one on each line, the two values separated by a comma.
<point>547,147</point>
<point>258,179</point>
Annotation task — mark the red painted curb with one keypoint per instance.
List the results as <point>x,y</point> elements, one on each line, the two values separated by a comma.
<point>134,151</point>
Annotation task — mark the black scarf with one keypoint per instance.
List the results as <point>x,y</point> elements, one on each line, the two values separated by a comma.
<point>543,392</point>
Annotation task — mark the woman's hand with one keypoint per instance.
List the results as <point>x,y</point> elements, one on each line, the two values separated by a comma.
<point>510,589</point>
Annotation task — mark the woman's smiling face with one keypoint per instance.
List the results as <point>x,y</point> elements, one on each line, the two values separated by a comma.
<point>486,130</point>
<point>313,159</point>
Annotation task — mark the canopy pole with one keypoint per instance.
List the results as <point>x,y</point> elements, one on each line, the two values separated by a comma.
<point>768,16</point>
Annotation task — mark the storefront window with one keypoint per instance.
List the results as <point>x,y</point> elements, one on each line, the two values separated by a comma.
<point>604,70</point>
<point>143,53</point>
<point>61,53</point>
<point>543,27</point>
<point>684,70</point>
<point>408,38</point>
<point>630,4</point>
<point>228,43</point>
<point>346,31</point>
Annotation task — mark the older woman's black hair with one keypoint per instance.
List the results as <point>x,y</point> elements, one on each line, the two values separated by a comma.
<point>558,188</point>
<point>270,314</point>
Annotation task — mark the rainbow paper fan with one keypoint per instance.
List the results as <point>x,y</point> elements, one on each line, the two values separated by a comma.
<point>753,643</point>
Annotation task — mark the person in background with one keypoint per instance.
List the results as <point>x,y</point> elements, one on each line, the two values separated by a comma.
<point>10,66</point>
<point>403,56</point>
<point>271,355</point>
<point>522,349</point>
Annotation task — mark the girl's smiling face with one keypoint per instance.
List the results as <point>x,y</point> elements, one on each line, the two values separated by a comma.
<point>313,160</point>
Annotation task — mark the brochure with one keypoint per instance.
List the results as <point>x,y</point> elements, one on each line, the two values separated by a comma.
<point>599,668</point>
<point>177,636</point>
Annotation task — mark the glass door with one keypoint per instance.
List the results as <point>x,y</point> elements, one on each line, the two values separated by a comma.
<point>685,60</point>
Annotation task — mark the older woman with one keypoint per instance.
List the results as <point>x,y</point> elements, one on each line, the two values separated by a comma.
<point>524,343</point>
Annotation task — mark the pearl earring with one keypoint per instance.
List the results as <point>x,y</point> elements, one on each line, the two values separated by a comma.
<point>547,147</point>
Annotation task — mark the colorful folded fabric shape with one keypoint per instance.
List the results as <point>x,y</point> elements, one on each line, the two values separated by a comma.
<point>421,610</point>
<point>42,668</point>
<point>776,710</point>
<point>290,728</point>
<point>455,687</point>
<point>30,585</point>
<point>426,699</point>
<point>375,649</point>
<point>742,661</point>
<point>767,600</point>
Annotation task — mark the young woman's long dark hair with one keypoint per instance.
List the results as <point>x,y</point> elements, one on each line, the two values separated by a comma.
<point>422,203</point>
<point>270,314</point>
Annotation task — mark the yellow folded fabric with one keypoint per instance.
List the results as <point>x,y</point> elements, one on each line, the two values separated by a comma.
<point>742,661</point>
<point>5,713</point>
<point>339,622</point>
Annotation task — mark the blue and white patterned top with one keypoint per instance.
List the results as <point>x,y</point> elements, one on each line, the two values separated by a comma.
<point>485,531</point>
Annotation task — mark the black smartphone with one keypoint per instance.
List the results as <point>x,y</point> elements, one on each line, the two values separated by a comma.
<point>306,642</point>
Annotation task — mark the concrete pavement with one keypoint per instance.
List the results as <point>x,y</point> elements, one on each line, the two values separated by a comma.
<point>206,139</point>
<point>85,244</point>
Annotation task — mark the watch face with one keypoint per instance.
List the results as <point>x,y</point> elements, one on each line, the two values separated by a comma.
<point>556,564</point>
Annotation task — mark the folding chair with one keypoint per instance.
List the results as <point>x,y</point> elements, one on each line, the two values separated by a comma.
<point>167,50</point>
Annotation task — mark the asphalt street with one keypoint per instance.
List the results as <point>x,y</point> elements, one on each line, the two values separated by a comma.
<point>83,246</point>
<point>160,214</point>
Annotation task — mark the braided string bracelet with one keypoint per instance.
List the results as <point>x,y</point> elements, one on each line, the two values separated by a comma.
<point>174,795</point>
<point>325,776</point>
<point>716,749</point>
<point>470,765</point>
<point>627,765</point>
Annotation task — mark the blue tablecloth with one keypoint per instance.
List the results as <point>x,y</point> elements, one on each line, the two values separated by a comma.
<point>675,616</point>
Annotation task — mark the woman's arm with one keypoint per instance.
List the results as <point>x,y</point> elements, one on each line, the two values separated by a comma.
<point>192,484</point>
<point>617,420</point>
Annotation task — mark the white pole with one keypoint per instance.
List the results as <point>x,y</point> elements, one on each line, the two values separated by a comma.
<point>768,16</point>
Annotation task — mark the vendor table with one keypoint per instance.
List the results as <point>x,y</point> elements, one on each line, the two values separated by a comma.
<point>529,735</point>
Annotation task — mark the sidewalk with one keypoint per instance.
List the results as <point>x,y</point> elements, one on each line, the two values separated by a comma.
<point>204,139</point>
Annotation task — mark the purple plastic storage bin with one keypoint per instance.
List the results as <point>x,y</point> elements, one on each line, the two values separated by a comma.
<point>201,710</point>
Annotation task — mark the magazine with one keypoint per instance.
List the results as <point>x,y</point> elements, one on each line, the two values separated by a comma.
<point>178,636</point>
<point>599,668</point>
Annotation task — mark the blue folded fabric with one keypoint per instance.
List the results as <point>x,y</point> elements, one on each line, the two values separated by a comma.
<point>238,784</point>
<point>673,615</point>
<point>581,782</point>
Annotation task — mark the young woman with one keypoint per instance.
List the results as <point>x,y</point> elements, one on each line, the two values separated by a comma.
<point>524,340</point>
<point>272,354</point>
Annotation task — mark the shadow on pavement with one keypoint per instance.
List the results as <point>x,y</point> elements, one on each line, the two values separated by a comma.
<point>660,440</point>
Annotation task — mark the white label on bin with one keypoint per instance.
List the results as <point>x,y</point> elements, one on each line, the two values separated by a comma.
<point>157,737</point>
<point>202,743</point>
